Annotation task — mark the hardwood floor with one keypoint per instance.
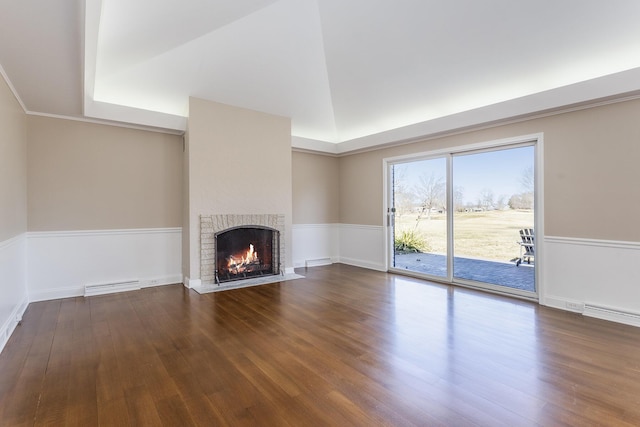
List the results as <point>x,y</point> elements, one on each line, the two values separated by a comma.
<point>344,346</point>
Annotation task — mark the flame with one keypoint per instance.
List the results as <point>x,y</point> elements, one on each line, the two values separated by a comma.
<point>251,254</point>
<point>239,265</point>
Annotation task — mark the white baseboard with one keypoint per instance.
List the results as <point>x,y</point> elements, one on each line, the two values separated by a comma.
<point>160,281</point>
<point>62,263</point>
<point>563,304</point>
<point>12,322</point>
<point>56,293</point>
<point>191,283</point>
<point>14,298</point>
<point>362,263</point>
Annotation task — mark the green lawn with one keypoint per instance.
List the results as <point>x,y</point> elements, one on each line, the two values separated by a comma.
<point>491,235</point>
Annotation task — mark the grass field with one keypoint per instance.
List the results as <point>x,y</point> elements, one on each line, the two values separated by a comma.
<point>491,235</point>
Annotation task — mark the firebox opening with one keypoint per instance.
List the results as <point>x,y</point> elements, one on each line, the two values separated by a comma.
<point>245,252</point>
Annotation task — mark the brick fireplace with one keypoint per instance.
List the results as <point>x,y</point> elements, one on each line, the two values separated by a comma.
<point>212,226</point>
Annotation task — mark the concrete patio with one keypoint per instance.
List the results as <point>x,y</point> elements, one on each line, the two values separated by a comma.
<point>494,272</point>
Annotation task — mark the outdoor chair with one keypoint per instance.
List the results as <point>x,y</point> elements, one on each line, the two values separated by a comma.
<point>527,246</point>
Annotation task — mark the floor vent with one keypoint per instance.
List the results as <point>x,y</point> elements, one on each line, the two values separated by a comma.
<point>110,288</point>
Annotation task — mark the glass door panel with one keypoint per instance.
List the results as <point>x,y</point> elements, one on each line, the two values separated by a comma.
<point>419,216</point>
<point>492,201</point>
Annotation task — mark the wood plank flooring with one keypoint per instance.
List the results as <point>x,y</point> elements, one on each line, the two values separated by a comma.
<point>343,346</point>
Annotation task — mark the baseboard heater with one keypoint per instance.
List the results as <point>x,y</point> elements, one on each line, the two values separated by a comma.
<point>317,262</point>
<point>607,313</point>
<point>111,288</point>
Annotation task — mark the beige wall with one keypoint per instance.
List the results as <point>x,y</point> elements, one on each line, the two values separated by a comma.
<point>239,163</point>
<point>85,176</point>
<point>316,188</point>
<point>13,165</point>
<point>591,172</point>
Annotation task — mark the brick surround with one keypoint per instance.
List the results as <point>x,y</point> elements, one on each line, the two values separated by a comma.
<point>212,224</point>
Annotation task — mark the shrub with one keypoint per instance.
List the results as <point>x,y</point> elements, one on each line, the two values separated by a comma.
<point>410,241</point>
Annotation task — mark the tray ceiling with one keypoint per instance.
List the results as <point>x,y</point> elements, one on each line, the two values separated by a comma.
<point>360,72</point>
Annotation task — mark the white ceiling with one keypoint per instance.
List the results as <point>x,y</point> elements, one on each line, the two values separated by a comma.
<point>358,72</point>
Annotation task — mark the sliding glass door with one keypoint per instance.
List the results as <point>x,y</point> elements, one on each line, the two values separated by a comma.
<point>419,207</point>
<point>465,217</point>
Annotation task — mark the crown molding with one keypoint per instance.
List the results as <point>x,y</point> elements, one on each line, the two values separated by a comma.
<point>12,88</point>
<point>107,123</point>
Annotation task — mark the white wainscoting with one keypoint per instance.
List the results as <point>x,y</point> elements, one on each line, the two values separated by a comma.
<point>595,277</point>
<point>61,263</point>
<point>315,244</point>
<point>13,285</point>
<point>363,246</point>
<point>353,244</point>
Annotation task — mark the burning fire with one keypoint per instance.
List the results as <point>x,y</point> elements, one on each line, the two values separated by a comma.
<point>245,260</point>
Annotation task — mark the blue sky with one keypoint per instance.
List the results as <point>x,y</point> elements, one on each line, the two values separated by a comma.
<point>501,171</point>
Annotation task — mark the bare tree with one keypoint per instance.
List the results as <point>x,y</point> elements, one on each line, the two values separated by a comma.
<point>487,199</point>
<point>528,180</point>
<point>403,202</point>
<point>402,195</point>
<point>521,201</point>
<point>458,199</point>
<point>431,194</point>
<point>525,199</point>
